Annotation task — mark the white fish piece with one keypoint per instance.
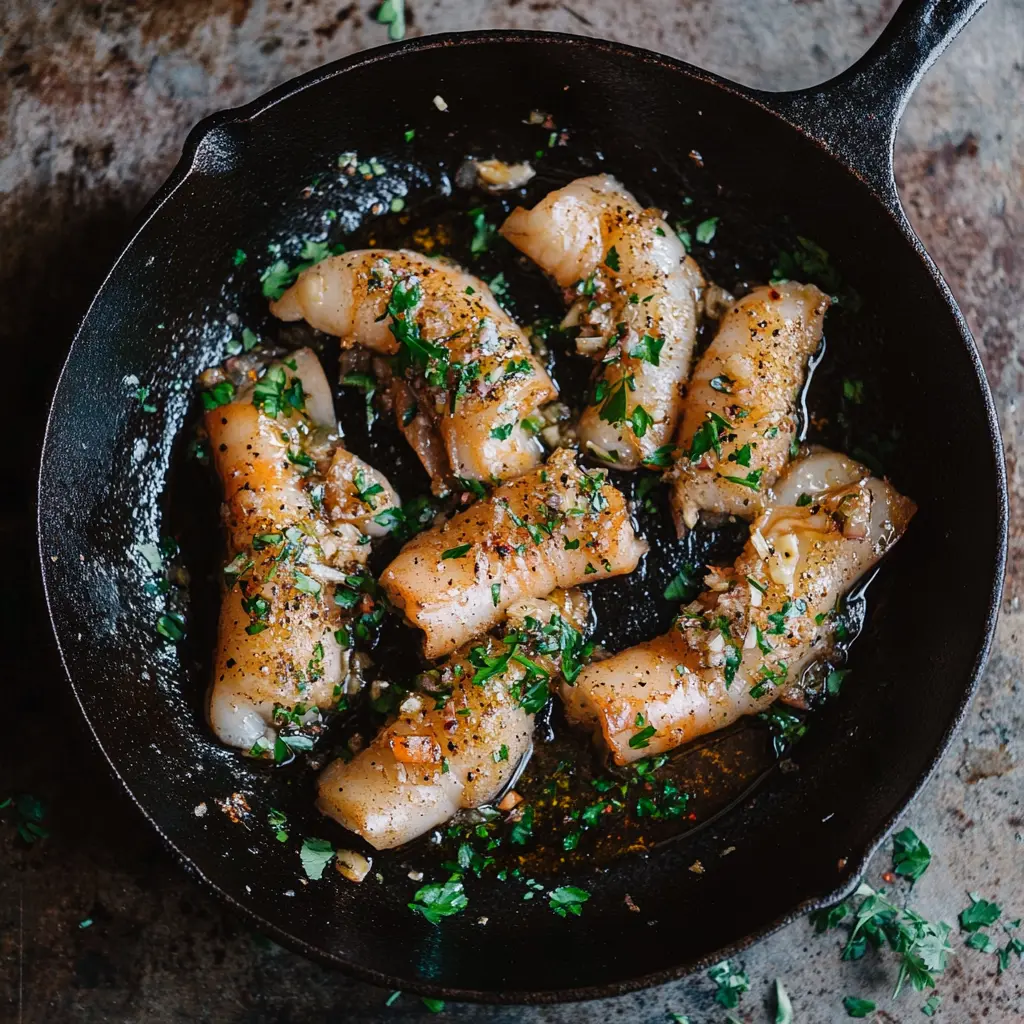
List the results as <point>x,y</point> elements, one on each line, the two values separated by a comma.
<point>657,695</point>
<point>470,374</point>
<point>740,412</point>
<point>556,526</point>
<point>458,747</point>
<point>635,296</point>
<point>276,643</point>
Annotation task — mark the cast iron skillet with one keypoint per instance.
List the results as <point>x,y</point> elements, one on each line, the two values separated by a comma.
<point>816,163</point>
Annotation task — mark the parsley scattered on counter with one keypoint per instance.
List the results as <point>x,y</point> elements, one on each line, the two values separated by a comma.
<point>922,946</point>
<point>732,982</point>
<point>783,1005</point>
<point>910,857</point>
<point>857,1007</point>
<point>979,914</point>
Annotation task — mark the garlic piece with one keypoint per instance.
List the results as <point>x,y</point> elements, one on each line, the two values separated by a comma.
<point>351,865</point>
<point>782,567</point>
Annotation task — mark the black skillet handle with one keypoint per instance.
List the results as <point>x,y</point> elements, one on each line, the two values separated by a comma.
<point>855,115</point>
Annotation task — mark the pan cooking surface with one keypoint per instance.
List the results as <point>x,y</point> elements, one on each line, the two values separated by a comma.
<point>574,796</point>
<point>116,477</point>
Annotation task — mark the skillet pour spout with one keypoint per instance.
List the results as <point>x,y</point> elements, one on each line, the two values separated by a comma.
<point>107,482</point>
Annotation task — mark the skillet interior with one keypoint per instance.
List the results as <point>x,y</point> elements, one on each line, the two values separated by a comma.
<point>163,315</point>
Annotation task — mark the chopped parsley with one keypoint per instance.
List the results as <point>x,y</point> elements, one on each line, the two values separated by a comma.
<point>910,857</point>
<point>751,480</point>
<point>732,982</point>
<point>495,594</point>
<point>684,585</point>
<point>220,394</point>
<point>640,420</point>
<point>706,230</point>
<point>315,855</point>
<point>708,436</point>
<point>483,232</point>
<point>649,349</point>
<point>661,457</point>
<point>611,259</point>
<point>979,914</point>
<point>438,900</point>
<point>612,401</point>
<point>857,1007</point>
<point>503,432</point>
<point>274,394</point>
<point>567,899</point>
<point>456,552</point>
<point>522,830</point>
<point>171,626</point>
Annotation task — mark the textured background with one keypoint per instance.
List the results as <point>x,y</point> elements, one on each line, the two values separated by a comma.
<point>95,100</point>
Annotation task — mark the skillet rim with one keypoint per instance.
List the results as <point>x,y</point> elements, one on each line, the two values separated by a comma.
<point>882,189</point>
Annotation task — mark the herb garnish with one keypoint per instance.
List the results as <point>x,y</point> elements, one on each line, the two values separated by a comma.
<point>567,899</point>
<point>438,900</point>
<point>910,857</point>
<point>315,855</point>
<point>732,982</point>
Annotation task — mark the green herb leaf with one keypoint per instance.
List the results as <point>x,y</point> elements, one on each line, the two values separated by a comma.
<point>523,828</point>
<point>392,14</point>
<point>438,900</point>
<point>649,349</point>
<point>732,982</point>
<point>171,626</point>
<point>931,1007</point>
<point>706,230</point>
<point>433,1005</point>
<point>910,857</point>
<point>661,457</point>
<point>567,899</point>
<point>503,432</point>
<point>483,232</point>
<point>783,1006</point>
<point>220,394</point>
<point>751,480</point>
<point>640,740</point>
<point>979,914</point>
<point>685,585</point>
<point>858,1007</point>
<point>307,585</point>
<point>456,552</point>
<point>611,260</point>
<point>315,855</point>
<point>640,420</point>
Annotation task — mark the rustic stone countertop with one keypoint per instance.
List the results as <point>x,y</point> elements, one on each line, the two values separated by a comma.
<point>95,101</point>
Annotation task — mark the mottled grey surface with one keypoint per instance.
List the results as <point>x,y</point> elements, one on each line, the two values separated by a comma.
<point>95,99</point>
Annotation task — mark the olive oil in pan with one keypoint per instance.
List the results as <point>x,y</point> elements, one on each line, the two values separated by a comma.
<point>572,808</point>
